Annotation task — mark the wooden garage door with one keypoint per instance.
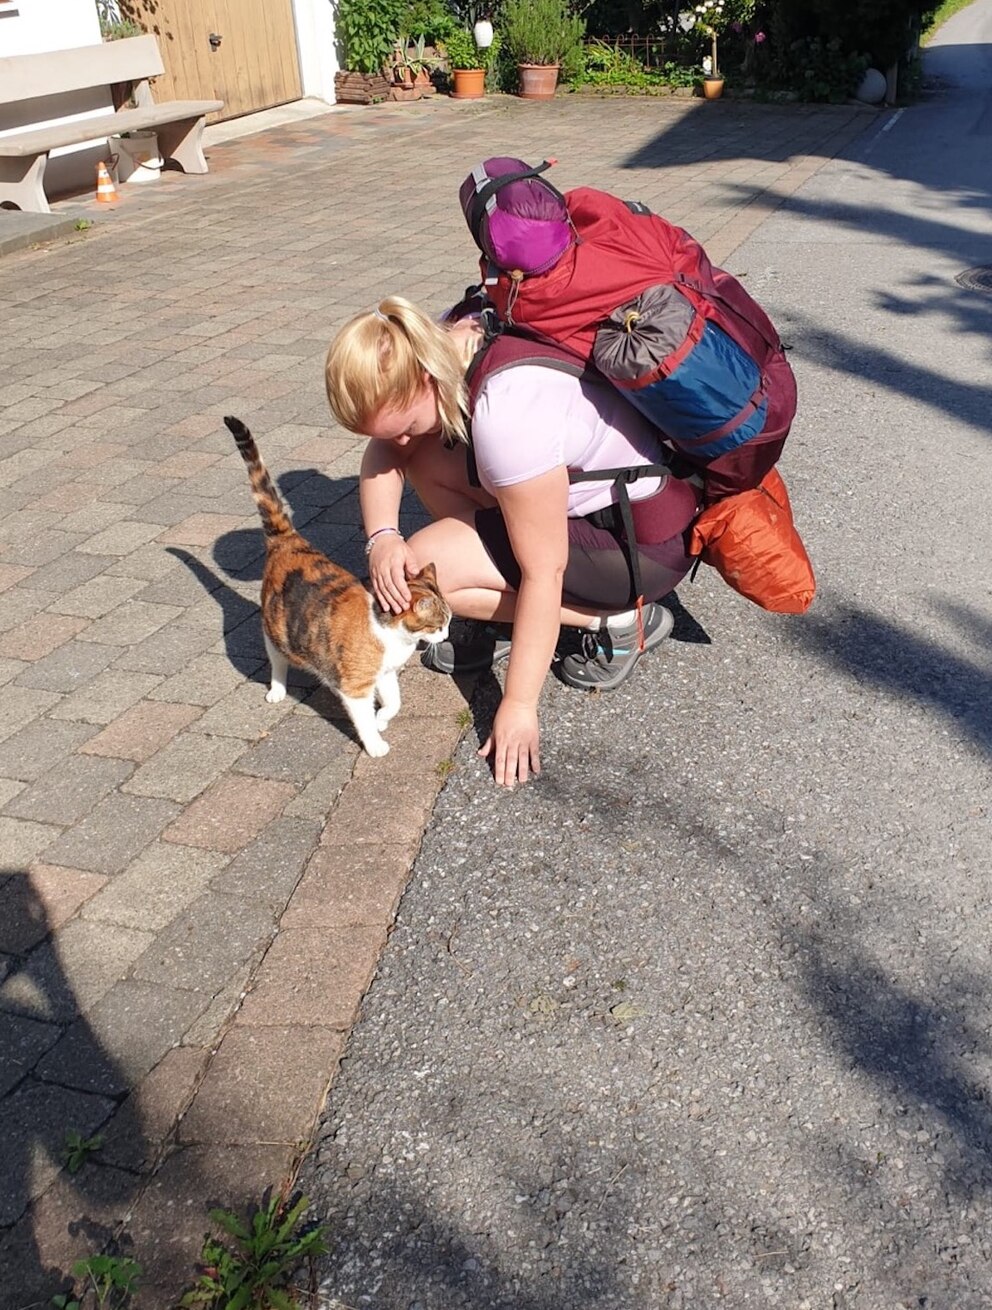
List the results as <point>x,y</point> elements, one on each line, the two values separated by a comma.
<point>253,65</point>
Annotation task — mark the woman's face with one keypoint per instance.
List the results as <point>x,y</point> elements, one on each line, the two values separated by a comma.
<point>402,426</point>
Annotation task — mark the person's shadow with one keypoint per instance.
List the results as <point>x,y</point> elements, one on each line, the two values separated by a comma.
<point>56,1081</point>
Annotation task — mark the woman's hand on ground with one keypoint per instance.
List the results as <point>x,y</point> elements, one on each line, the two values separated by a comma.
<point>390,562</point>
<point>513,744</point>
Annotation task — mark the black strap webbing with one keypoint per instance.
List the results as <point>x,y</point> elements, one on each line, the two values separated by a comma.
<point>496,184</point>
<point>624,531</point>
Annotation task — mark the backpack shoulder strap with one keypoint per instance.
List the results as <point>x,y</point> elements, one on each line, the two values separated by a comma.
<point>512,348</point>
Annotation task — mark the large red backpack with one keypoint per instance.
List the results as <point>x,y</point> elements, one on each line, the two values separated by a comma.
<point>638,298</point>
<point>749,537</point>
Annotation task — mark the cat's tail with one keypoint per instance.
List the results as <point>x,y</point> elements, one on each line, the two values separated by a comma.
<point>275,518</point>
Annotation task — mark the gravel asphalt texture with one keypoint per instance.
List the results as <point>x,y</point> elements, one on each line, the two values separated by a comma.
<point>702,1016</point>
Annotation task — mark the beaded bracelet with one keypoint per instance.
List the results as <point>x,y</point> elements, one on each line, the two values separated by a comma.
<point>378,533</point>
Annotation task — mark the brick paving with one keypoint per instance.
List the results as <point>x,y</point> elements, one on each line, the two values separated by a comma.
<point>195,886</point>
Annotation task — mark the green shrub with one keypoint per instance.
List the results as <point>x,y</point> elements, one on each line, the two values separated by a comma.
<point>541,31</point>
<point>431,19</point>
<point>611,66</point>
<point>882,30</point>
<point>368,30</point>
<point>816,70</point>
<point>116,23</point>
<point>461,51</point>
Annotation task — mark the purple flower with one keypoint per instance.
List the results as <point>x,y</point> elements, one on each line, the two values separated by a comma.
<point>736,27</point>
<point>759,37</point>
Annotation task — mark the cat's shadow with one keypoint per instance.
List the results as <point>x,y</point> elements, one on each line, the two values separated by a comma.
<point>325,511</point>
<point>245,648</point>
<point>242,637</point>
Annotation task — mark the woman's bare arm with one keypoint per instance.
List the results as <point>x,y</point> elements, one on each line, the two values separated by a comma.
<point>536,517</point>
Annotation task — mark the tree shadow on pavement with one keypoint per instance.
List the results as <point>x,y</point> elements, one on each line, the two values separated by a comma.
<point>425,1260</point>
<point>747,133</point>
<point>56,1078</point>
<point>918,230</point>
<point>916,1046</point>
<point>949,310</point>
<point>775,134</point>
<point>873,650</point>
<point>913,1041</point>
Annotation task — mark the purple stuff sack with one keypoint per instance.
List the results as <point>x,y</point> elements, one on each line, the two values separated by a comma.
<point>519,221</point>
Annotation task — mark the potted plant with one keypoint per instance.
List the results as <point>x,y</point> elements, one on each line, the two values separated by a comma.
<point>113,25</point>
<point>468,64</point>
<point>710,20</point>
<point>368,30</point>
<point>412,68</point>
<point>539,35</point>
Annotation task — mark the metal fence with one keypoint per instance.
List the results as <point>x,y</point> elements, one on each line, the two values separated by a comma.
<point>648,51</point>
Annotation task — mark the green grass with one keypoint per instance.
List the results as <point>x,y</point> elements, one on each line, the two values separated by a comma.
<point>947,10</point>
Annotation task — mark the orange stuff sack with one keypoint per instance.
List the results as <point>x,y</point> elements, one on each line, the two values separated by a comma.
<point>752,542</point>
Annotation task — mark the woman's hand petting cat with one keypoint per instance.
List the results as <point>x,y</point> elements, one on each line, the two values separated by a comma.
<point>390,560</point>
<point>513,744</point>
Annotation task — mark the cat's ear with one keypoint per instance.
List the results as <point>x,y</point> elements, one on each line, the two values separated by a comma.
<point>429,574</point>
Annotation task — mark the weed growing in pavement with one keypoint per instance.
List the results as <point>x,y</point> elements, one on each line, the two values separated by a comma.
<point>108,1282</point>
<point>464,717</point>
<point>83,224</point>
<point>445,769</point>
<point>77,1150</point>
<point>253,1270</point>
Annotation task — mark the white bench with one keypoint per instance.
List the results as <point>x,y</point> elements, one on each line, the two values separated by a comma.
<point>23,155</point>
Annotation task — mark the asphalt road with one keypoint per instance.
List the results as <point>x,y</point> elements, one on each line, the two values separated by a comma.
<point>703,1016</point>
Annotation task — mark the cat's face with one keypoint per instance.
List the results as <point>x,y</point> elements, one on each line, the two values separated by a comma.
<point>428,614</point>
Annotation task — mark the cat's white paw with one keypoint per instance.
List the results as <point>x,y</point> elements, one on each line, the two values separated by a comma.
<point>383,718</point>
<point>377,748</point>
<point>275,694</point>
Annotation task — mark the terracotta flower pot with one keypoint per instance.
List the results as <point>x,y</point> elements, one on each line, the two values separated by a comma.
<point>470,83</point>
<point>712,87</point>
<point>538,81</point>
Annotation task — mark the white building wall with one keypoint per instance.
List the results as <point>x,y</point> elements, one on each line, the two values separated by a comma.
<point>315,33</point>
<point>29,27</point>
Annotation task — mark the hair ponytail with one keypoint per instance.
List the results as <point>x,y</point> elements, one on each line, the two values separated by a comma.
<point>378,361</point>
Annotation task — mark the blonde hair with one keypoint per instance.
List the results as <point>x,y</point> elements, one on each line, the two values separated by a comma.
<point>378,361</point>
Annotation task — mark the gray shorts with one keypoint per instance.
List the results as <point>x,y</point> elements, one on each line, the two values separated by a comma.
<point>597,574</point>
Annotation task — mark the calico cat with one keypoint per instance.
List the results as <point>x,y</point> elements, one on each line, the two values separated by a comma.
<point>318,616</point>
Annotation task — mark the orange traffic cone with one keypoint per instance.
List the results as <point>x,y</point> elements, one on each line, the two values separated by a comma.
<point>106,192</point>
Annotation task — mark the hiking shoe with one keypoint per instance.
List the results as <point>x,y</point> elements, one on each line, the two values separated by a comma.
<point>607,658</point>
<point>472,646</point>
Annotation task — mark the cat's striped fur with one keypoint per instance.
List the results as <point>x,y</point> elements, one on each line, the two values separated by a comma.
<point>318,616</point>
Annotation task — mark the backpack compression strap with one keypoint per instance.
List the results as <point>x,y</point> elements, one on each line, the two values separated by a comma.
<point>624,532</point>
<point>487,188</point>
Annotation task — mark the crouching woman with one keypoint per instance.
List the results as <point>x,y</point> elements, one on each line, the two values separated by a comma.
<point>519,550</point>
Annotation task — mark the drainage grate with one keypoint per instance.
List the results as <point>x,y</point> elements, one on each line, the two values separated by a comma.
<point>976,279</point>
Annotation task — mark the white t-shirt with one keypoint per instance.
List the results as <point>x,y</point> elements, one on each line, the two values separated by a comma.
<point>529,420</point>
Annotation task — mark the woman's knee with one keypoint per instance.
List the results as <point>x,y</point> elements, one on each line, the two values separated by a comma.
<point>455,548</point>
